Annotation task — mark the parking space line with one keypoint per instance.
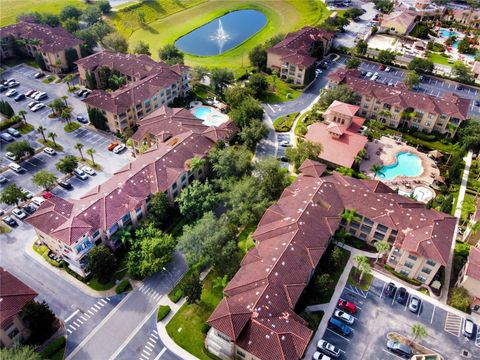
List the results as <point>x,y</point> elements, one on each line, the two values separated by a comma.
<point>383,289</point>
<point>69,331</point>
<point>390,353</point>
<point>161,353</point>
<point>344,338</point>
<point>433,314</point>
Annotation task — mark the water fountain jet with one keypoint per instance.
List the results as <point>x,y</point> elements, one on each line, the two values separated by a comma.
<point>220,36</point>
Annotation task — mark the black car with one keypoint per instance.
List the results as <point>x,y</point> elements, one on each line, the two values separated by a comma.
<point>402,296</point>
<point>39,75</point>
<point>390,290</point>
<point>3,88</point>
<point>82,119</point>
<point>459,87</point>
<point>363,72</point>
<point>9,221</point>
<point>29,209</point>
<point>65,184</point>
<point>477,102</point>
<point>19,97</point>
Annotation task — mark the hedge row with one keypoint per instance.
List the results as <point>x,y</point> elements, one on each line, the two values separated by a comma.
<point>284,123</point>
<point>123,286</point>
<point>5,124</point>
<point>403,277</point>
<point>54,346</point>
<point>163,311</point>
<point>175,295</point>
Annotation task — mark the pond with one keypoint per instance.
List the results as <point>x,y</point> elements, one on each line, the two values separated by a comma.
<point>223,33</point>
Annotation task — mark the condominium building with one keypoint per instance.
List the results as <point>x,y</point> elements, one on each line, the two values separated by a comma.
<point>57,47</point>
<point>256,317</point>
<point>14,295</point>
<point>396,106</point>
<point>469,276</point>
<point>149,85</point>
<point>71,228</point>
<point>295,56</point>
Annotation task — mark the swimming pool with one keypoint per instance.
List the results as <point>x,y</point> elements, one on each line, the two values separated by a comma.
<point>447,33</point>
<point>202,112</point>
<point>209,116</point>
<point>407,164</point>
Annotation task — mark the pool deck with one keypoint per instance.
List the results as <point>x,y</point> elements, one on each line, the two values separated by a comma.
<point>384,152</point>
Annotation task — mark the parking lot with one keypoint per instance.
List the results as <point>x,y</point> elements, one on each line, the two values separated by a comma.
<point>429,85</point>
<point>377,315</point>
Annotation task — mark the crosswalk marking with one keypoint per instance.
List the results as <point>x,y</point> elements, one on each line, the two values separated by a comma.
<point>147,352</point>
<point>152,340</point>
<point>73,327</point>
<point>144,356</point>
<point>69,331</point>
<point>453,324</point>
<point>99,304</point>
<point>103,301</point>
<point>91,313</point>
<point>80,321</point>
<point>148,347</point>
<point>108,299</point>
<point>156,333</point>
<point>84,318</point>
<point>149,343</point>
<point>76,324</point>
<point>96,307</point>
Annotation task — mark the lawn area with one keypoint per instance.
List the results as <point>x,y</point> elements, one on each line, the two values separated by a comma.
<point>25,128</point>
<point>49,143</point>
<point>283,92</point>
<point>185,328</point>
<point>439,59</point>
<point>12,8</point>
<point>71,127</point>
<point>354,279</point>
<point>283,16</point>
<point>468,207</point>
<point>4,229</point>
<point>119,275</point>
<point>285,123</point>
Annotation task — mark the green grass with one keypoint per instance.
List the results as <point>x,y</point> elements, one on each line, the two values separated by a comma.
<point>12,8</point>
<point>123,286</point>
<point>4,229</point>
<point>283,92</point>
<point>468,206</point>
<point>284,123</point>
<point>49,143</point>
<point>55,350</point>
<point>119,275</point>
<point>25,128</point>
<point>441,59</point>
<point>354,279</point>
<point>283,16</point>
<point>185,328</point>
<point>163,311</point>
<point>245,240</point>
<point>71,127</point>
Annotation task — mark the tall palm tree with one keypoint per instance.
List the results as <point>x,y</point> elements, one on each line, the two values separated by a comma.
<point>66,114</point>
<point>475,228</point>
<point>350,215</point>
<point>418,331</point>
<point>52,106</point>
<point>126,237</point>
<point>362,265</point>
<point>196,163</point>
<point>42,130</point>
<point>64,98</point>
<point>220,282</point>
<point>22,113</point>
<point>377,169</point>
<point>79,147</point>
<point>382,247</point>
<point>52,136</point>
<point>341,235</point>
<point>91,152</point>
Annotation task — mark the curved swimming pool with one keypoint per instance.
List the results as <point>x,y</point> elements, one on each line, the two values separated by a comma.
<point>407,164</point>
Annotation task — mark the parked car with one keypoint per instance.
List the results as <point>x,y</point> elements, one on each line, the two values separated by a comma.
<point>6,137</point>
<point>374,77</point>
<point>327,348</point>
<point>19,97</point>
<point>37,200</point>
<point>339,327</point>
<point>29,208</point>
<point>37,107</point>
<point>13,83</point>
<point>343,316</point>
<point>31,104</point>
<point>49,151</point>
<point>64,184</point>
<point>391,83</point>
<point>390,290</point>
<point>382,67</point>
<point>82,119</point>
<point>112,146</point>
<point>3,179</point>
<point>119,148</point>
<point>27,193</point>
<point>414,304</point>
<point>80,174</point>
<point>11,156</point>
<point>78,92</point>
<point>459,87</point>
<point>3,88</point>
<point>477,102</point>
<point>2,212</point>
<point>11,92</point>
<point>402,295</point>
<point>14,132</point>
<point>88,170</point>
<point>19,213</point>
<point>35,93</point>
<point>369,74</point>
<point>15,167</point>
<point>86,93</point>
<point>468,328</point>
<point>39,75</point>
<point>29,92</point>
<point>400,349</point>
<point>319,356</point>
<point>388,69</point>
<point>285,143</point>
<point>363,73</point>
<point>9,221</point>
<point>347,306</point>
<point>41,96</point>
<point>47,195</point>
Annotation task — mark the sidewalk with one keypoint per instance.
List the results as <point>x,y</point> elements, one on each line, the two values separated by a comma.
<point>67,277</point>
<point>162,331</point>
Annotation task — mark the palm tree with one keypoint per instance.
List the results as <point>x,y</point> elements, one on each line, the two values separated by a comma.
<point>377,169</point>
<point>341,235</point>
<point>196,163</point>
<point>22,113</point>
<point>52,136</point>
<point>382,247</point>
<point>52,106</point>
<point>350,215</point>
<point>66,114</point>
<point>362,265</point>
<point>220,282</point>
<point>474,228</point>
<point>42,130</point>
<point>418,331</point>
<point>79,147</point>
<point>126,238</point>
<point>91,152</point>
<point>64,98</point>
<point>131,144</point>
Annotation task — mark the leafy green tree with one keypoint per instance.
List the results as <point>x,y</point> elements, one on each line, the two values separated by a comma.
<point>353,63</point>
<point>197,74</point>
<point>67,164</point>
<point>20,352</point>
<point>462,72</point>
<point>220,78</point>
<point>258,84</point>
<point>6,109</point>
<point>41,321</point>
<point>104,6</point>
<point>337,256</point>
<point>248,111</point>
<point>150,252</point>
<point>44,179</point>
<point>71,25</point>
<point>336,22</point>
<point>419,332</point>
<point>412,79</point>
<point>322,283</point>
<point>341,93</point>
<point>250,135</point>
<point>350,215</point>
<point>91,15</point>
<point>171,55</point>
<point>354,13</point>
<point>460,299</point>
<point>12,195</point>
<point>305,150</point>
<point>160,209</point>
<point>360,48</point>
<point>70,12</point>
<point>102,263</point>
<point>464,46</point>
<point>385,6</point>
<point>421,65</point>
<point>220,282</point>
<point>236,94</point>
<point>192,288</point>
<point>197,199</point>
<point>386,57</point>
<point>97,119</point>
<point>50,19</point>
<point>142,48</point>
<point>20,149</point>
<point>115,42</point>
<point>274,40</point>
<point>273,178</point>
<point>382,247</point>
<point>469,135</point>
<point>231,161</point>
<point>258,57</point>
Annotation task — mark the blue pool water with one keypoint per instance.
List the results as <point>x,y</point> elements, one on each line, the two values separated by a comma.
<point>407,164</point>
<point>202,112</point>
<point>455,44</point>
<point>447,33</point>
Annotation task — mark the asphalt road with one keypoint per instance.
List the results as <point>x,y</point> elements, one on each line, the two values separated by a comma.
<point>378,315</point>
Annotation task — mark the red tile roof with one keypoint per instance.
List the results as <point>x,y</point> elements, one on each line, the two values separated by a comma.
<point>473,263</point>
<point>341,108</point>
<point>257,312</point>
<point>52,39</point>
<point>450,104</point>
<point>14,295</point>
<point>295,48</point>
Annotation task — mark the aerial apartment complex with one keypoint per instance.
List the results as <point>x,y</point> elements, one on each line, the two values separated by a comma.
<point>256,319</point>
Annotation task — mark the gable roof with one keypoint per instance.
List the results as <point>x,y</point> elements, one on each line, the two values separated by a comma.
<point>401,18</point>
<point>14,294</point>
<point>473,263</point>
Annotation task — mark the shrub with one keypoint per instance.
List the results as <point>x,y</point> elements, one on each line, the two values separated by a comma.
<point>54,346</point>
<point>205,327</point>
<point>460,299</point>
<point>176,295</point>
<point>284,123</point>
<point>50,261</point>
<point>123,286</point>
<point>5,124</point>
<point>401,276</point>
<point>163,311</point>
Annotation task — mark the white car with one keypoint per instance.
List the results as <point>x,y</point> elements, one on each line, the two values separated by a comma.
<point>38,200</point>
<point>285,143</point>
<point>38,107</point>
<point>119,148</point>
<point>27,193</point>
<point>88,170</point>
<point>80,174</point>
<point>35,93</point>
<point>369,74</point>
<point>343,316</point>
<point>19,214</point>
<point>32,104</point>
<point>15,167</point>
<point>327,348</point>
<point>42,95</point>
<point>319,356</point>
<point>387,69</point>
<point>49,151</point>
<point>11,156</point>
<point>11,92</point>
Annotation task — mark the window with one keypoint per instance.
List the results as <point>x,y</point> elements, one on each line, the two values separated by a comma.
<point>240,353</point>
<point>412,257</point>
<point>421,278</point>
<point>354,225</point>
<point>426,270</point>
<point>366,228</point>
<point>352,231</point>
<point>363,236</point>
<point>95,234</point>
<point>409,264</point>
<point>404,272</point>
<point>368,221</point>
<point>378,236</point>
<point>113,229</point>
<point>431,262</point>
<point>126,218</point>
<point>13,333</point>
<point>174,186</point>
<point>175,193</point>
<point>382,228</point>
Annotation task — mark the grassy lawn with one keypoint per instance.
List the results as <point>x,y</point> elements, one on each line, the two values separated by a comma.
<point>25,128</point>
<point>71,127</point>
<point>185,326</point>
<point>283,16</point>
<point>283,92</point>
<point>354,279</point>
<point>439,59</point>
<point>119,275</point>
<point>50,143</point>
<point>12,8</point>
<point>285,123</point>
<point>468,206</point>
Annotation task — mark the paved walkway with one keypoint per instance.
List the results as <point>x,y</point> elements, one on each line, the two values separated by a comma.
<point>458,213</point>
